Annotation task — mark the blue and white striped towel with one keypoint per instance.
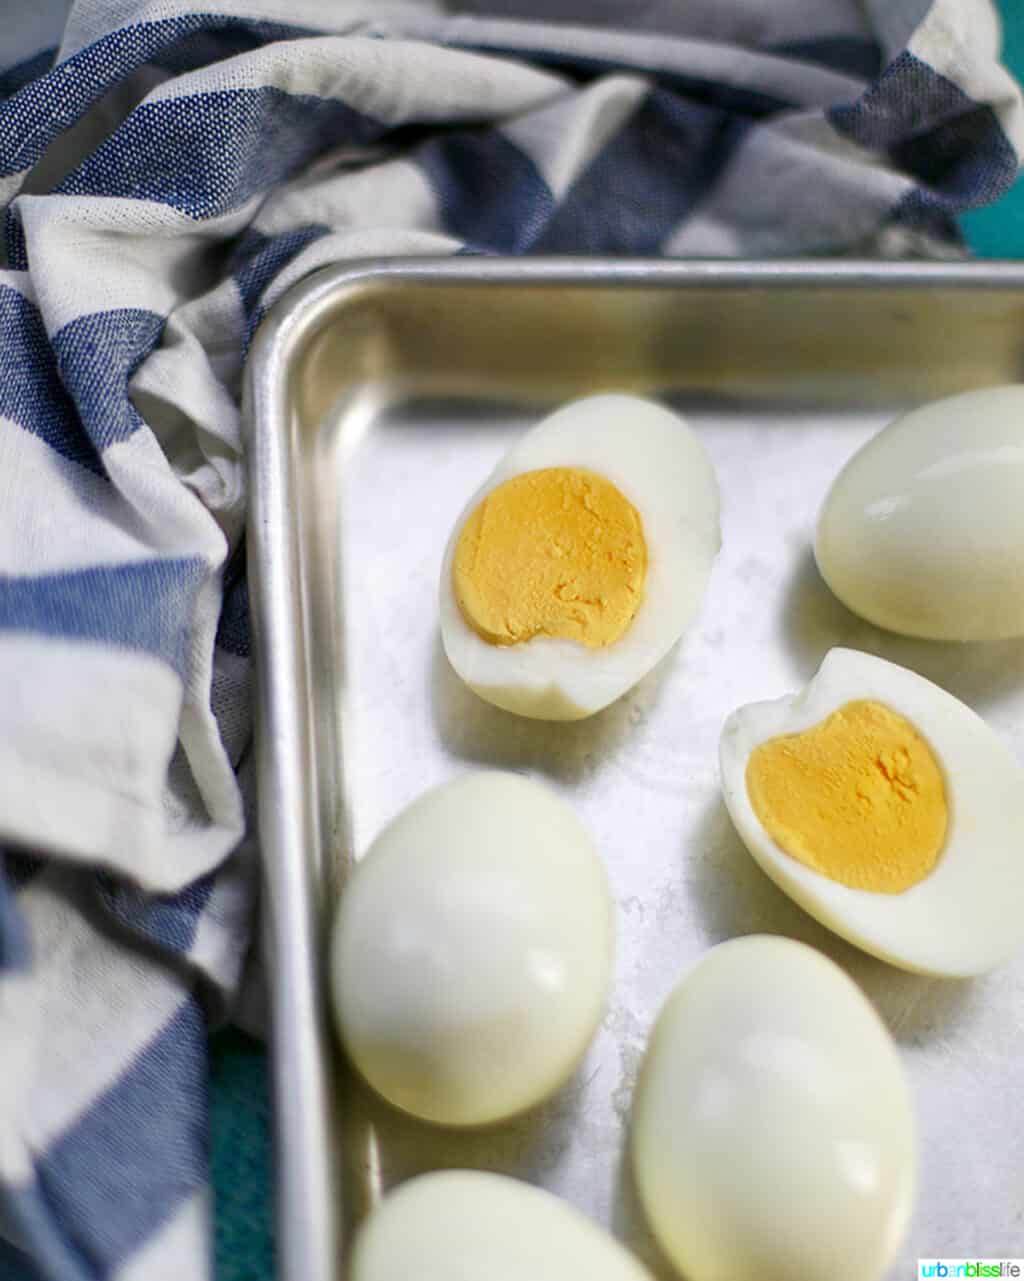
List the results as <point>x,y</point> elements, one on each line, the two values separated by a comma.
<point>167,169</point>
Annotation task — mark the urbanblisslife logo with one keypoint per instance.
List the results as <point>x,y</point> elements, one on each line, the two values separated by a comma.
<point>951,1268</point>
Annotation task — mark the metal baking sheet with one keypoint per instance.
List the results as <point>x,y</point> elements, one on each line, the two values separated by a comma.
<point>379,396</point>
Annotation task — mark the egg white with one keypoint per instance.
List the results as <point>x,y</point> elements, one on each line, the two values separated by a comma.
<point>660,466</point>
<point>922,531</point>
<point>465,1223</point>
<point>772,1128</point>
<point>967,915</point>
<point>472,950</point>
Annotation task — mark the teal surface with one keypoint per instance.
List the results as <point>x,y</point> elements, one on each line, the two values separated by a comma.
<point>998,231</point>
<point>241,1158</point>
<point>241,1153</point>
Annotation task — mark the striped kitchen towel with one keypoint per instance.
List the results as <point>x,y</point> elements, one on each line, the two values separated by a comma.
<point>167,169</point>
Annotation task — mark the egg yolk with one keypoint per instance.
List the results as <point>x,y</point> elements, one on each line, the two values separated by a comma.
<point>558,552</point>
<point>859,798</point>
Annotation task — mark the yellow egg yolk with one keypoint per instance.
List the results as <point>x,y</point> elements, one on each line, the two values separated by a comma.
<point>859,798</point>
<point>558,552</point>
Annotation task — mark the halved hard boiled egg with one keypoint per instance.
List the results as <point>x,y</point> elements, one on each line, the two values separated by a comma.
<point>581,559</point>
<point>888,810</point>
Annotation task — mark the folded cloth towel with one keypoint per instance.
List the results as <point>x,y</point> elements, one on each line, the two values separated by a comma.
<point>167,170</point>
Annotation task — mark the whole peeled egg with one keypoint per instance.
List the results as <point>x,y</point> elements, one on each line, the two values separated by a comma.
<point>472,950</point>
<point>772,1131</point>
<point>582,558</point>
<point>887,809</point>
<point>923,530</point>
<point>464,1225</point>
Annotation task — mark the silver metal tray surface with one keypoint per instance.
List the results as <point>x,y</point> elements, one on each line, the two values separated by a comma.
<point>379,396</point>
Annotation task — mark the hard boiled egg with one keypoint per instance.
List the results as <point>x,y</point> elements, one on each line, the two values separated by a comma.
<point>772,1130</point>
<point>888,810</point>
<point>581,559</point>
<point>461,1225</point>
<point>472,951</point>
<point>923,529</point>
